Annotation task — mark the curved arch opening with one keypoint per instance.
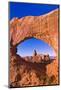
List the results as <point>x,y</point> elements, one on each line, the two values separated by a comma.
<point>27,47</point>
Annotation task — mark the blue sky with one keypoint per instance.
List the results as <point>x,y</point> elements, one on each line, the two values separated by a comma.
<point>25,9</point>
<point>27,47</point>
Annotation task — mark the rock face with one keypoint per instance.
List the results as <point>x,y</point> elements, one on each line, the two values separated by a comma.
<point>29,71</point>
<point>22,72</point>
<point>43,27</point>
<point>32,71</point>
<point>38,58</point>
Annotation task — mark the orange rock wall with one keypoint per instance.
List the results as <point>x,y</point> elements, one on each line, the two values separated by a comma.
<point>43,27</point>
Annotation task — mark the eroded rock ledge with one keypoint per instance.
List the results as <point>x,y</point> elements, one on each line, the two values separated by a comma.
<point>22,72</point>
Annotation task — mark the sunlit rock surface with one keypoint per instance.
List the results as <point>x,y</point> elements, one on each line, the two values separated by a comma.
<point>32,72</point>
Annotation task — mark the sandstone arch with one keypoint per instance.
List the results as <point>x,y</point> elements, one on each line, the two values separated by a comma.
<point>43,27</point>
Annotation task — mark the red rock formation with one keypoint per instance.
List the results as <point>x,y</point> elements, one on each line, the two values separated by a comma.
<point>43,27</point>
<point>23,72</point>
<point>32,73</point>
<point>52,70</point>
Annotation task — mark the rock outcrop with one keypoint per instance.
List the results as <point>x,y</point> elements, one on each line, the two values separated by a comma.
<point>22,72</point>
<point>43,27</point>
<point>31,71</point>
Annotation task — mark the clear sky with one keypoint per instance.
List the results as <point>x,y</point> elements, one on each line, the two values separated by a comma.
<point>27,47</point>
<point>25,9</point>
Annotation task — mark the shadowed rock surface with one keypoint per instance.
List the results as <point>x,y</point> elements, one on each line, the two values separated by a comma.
<point>33,71</point>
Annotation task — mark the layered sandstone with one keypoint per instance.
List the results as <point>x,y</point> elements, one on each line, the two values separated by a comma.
<point>29,72</point>
<point>43,27</point>
<point>23,72</point>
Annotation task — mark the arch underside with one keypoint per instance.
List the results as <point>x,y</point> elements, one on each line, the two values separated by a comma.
<point>43,27</point>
